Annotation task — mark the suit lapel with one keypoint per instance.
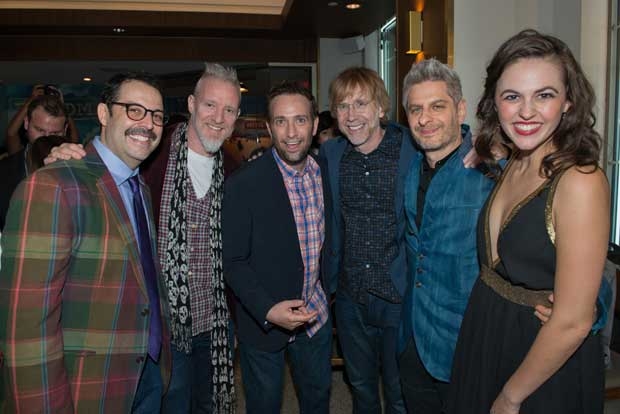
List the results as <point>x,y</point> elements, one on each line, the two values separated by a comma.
<point>334,159</point>
<point>327,199</point>
<point>119,216</point>
<point>281,197</point>
<point>412,182</point>
<point>407,151</point>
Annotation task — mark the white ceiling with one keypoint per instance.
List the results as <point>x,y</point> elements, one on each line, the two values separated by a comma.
<point>211,6</point>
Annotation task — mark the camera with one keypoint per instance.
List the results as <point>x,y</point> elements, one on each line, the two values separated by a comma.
<point>51,90</point>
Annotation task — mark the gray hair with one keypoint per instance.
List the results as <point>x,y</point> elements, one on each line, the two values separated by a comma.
<point>432,70</point>
<point>218,71</point>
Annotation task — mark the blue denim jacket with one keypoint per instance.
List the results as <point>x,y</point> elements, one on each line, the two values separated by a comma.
<point>442,257</point>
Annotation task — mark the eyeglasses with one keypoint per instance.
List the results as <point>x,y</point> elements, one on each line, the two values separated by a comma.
<point>137,112</point>
<point>357,106</point>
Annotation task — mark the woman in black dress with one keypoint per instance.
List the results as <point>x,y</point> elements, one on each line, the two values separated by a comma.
<point>544,229</point>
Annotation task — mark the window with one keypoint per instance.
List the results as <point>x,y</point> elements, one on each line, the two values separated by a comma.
<point>613,150</point>
<point>387,64</point>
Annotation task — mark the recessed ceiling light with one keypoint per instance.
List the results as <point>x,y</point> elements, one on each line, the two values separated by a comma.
<point>87,78</point>
<point>118,30</point>
<point>352,5</point>
<point>332,3</point>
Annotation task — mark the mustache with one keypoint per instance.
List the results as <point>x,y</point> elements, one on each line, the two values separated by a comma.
<point>141,131</point>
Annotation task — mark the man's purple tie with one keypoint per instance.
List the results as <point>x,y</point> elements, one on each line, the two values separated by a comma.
<point>148,265</point>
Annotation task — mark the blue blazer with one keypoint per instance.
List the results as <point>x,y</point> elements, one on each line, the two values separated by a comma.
<point>332,151</point>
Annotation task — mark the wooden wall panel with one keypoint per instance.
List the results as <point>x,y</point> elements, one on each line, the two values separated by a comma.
<point>152,48</point>
<point>68,21</point>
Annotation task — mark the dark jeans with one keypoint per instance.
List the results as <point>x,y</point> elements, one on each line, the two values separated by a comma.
<point>191,383</point>
<point>369,352</point>
<point>263,374</point>
<point>423,393</point>
<point>150,388</point>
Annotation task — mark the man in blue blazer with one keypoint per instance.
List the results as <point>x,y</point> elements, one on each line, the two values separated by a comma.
<point>443,199</point>
<point>366,257</point>
<point>273,227</point>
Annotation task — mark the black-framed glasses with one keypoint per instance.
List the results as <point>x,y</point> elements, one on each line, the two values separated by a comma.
<point>137,112</point>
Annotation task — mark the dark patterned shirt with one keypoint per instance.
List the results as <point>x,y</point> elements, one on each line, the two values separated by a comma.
<point>367,188</point>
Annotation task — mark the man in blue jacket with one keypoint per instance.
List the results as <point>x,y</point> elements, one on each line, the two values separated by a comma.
<point>443,199</point>
<point>366,255</point>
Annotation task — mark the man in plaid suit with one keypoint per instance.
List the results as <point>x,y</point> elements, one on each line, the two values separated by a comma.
<point>83,310</point>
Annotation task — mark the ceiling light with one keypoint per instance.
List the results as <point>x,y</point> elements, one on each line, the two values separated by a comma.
<point>87,78</point>
<point>352,5</point>
<point>332,3</point>
<point>118,30</point>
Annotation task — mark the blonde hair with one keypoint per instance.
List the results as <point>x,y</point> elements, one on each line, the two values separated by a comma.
<point>357,77</point>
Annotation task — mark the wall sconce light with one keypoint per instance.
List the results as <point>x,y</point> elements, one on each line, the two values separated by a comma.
<point>415,33</point>
<point>243,88</point>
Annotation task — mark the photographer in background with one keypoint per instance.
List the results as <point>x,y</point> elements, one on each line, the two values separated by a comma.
<point>45,115</point>
<point>22,129</point>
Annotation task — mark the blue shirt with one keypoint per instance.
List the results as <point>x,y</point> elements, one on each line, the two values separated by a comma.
<point>120,174</point>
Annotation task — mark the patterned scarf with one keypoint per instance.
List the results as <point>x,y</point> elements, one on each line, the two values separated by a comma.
<point>176,259</point>
<point>175,268</point>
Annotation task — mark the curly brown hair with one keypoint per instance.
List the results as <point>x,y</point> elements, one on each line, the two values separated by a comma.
<point>575,140</point>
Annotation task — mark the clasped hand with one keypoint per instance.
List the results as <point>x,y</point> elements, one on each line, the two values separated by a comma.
<point>290,314</point>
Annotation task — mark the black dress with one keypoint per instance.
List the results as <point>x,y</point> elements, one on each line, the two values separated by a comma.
<point>496,333</point>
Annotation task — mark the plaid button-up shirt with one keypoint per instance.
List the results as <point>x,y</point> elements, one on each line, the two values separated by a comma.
<point>200,269</point>
<point>305,192</point>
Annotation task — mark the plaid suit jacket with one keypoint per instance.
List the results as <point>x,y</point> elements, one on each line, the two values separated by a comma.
<point>74,318</point>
